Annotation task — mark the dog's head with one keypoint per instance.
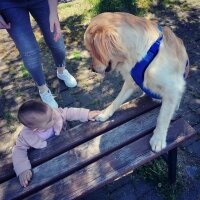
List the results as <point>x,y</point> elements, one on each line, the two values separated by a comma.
<point>104,45</point>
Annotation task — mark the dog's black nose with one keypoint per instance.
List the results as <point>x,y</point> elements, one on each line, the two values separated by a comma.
<point>92,69</point>
<point>109,67</point>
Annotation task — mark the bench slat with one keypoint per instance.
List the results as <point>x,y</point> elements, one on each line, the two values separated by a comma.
<point>82,155</point>
<point>72,137</point>
<point>113,165</point>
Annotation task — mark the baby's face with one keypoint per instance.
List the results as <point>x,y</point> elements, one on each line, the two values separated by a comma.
<point>46,122</point>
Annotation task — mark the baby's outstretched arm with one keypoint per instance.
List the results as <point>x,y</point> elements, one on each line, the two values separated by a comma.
<point>81,114</point>
<point>93,114</point>
<point>25,177</point>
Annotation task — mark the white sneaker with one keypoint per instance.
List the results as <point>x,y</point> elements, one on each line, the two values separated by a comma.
<point>48,98</point>
<point>69,80</point>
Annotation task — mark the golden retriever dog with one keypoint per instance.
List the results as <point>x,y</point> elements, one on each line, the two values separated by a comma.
<point>117,41</point>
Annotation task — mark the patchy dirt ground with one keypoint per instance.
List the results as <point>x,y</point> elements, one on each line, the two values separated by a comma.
<point>92,91</point>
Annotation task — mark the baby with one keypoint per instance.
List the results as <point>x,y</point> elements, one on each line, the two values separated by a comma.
<point>40,123</point>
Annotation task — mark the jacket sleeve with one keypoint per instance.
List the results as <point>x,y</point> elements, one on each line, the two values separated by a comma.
<point>20,158</point>
<point>71,114</point>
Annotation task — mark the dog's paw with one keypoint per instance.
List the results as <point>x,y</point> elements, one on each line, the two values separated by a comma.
<point>157,143</point>
<point>102,117</point>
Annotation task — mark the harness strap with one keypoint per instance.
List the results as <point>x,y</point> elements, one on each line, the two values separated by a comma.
<point>137,72</point>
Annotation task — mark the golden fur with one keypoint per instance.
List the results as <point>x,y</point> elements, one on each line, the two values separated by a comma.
<point>119,40</point>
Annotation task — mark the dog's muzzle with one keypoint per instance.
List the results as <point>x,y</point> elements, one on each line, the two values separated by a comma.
<point>109,67</point>
<point>92,69</point>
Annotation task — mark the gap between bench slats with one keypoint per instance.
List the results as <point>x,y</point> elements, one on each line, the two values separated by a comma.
<point>82,155</point>
<point>72,137</point>
<point>113,165</point>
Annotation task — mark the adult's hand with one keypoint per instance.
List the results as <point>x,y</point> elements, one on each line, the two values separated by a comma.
<point>54,20</point>
<point>3,24</point>
<point>55,25</point>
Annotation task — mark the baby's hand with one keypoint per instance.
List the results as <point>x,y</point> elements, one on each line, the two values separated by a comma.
<point>25,177</point>
<point>93,114</point>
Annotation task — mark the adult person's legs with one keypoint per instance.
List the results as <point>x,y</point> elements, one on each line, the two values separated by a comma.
<point>22,34</point>
<point>40,12</point>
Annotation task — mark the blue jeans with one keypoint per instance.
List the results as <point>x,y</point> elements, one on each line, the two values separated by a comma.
<point>22,34</point>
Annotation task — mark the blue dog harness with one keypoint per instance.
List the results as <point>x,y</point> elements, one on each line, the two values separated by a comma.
<point>137,72</point>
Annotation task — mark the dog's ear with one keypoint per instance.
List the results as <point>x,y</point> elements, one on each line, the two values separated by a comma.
<point>106,44</point>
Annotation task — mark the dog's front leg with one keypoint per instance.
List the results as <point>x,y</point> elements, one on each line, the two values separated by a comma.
<point>124,94</point>
<point>158,140</point>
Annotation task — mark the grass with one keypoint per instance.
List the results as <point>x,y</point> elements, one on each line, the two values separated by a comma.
<point>18,93</point>
<point>8,116</point>
<point>24,71</point>
<point>1,92</point>
<point>10,121</point>
<point>72,9</point>
<point>76,55</point>
<point>137,7</point>
<point>157,173</point>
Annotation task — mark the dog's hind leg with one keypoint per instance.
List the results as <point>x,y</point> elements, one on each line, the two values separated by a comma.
<point>168,107</point>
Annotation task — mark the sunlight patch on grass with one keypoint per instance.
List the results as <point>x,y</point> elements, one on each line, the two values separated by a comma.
<point>24,71</point>
<point>75,55</point>
<point>74,8</point>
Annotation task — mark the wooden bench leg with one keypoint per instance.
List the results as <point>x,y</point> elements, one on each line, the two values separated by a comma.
<point>172,164</point>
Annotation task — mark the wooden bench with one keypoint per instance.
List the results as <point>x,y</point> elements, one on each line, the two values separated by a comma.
<point>93,154</point>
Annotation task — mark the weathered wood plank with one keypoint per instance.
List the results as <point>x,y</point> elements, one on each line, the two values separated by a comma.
<point>72,137</point>
<point>82,155</point>
<point>113,165</point>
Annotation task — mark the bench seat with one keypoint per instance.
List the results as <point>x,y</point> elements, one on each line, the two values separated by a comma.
<point>93,154</point>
